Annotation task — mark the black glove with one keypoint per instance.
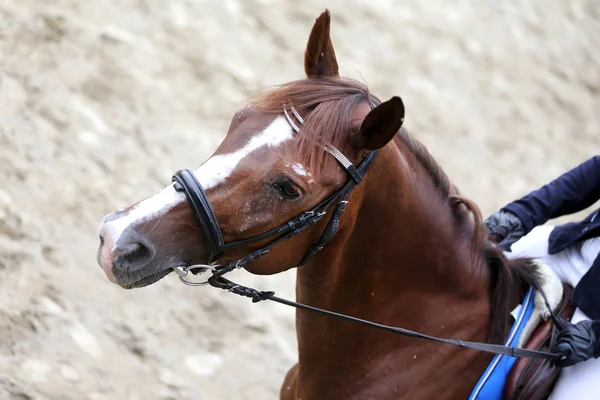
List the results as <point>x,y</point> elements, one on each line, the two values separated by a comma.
<point>576,343</point>
<point>504,228</point>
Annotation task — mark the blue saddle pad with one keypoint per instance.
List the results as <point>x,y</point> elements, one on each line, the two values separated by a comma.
<point>491,384</point>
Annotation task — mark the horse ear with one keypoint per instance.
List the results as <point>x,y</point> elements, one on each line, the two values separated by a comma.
<point>319,57</point>
<point>381,125</point>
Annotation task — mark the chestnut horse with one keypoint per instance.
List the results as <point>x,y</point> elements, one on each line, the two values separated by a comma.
<point>408,251</point>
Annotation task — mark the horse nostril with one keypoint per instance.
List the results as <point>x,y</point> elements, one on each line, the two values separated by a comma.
<point>133,253</point>
<point>101,240</point>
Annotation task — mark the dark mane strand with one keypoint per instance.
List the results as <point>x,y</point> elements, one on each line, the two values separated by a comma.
<point>510,280</point>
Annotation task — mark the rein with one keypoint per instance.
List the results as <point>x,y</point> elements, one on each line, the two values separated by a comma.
<point>186,182</point>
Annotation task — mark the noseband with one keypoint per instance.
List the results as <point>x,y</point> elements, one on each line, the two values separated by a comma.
<point>186,182</point>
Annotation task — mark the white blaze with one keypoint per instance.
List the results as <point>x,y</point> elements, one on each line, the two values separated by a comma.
<point>212,173</point>
<point>218,168</point>
<point>145,210</point>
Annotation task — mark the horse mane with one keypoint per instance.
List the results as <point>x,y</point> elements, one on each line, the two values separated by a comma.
<point>326,105</point>
<point>509,279</point>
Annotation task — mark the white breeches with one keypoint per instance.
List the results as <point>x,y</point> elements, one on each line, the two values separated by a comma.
<point>581,381</point>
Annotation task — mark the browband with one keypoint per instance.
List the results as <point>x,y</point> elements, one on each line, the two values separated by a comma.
<point>338,155</point>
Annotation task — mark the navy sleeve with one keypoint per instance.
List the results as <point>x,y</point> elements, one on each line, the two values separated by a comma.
<point>573,191</point>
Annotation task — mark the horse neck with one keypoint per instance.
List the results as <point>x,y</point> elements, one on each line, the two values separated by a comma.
<point>403,262</point>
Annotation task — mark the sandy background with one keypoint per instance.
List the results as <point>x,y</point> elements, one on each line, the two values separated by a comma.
<point>101,101</point>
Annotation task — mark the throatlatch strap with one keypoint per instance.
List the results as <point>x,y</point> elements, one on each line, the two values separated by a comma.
<point>184,181</point>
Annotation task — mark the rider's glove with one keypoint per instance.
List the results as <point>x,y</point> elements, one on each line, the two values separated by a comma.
<point>576,343</point>
<point>504,228</point>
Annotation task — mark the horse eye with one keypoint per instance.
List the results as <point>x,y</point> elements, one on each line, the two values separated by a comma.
<point>288,190</point>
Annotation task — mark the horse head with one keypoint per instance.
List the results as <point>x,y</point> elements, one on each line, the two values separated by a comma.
<point>274,165</point>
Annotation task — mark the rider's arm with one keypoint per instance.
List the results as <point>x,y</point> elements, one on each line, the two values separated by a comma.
<point>573,191</point>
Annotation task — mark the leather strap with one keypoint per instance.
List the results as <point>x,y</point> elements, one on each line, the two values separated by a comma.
<point>185,181</point>
<point>220,282</point>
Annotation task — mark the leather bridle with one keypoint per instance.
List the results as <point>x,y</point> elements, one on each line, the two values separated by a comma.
<point>186,182</point>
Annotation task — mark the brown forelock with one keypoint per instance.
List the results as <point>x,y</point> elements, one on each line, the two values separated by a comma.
<point>326,105</point>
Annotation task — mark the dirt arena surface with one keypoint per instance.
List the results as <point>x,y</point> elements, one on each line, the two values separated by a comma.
<point>101,101</point>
